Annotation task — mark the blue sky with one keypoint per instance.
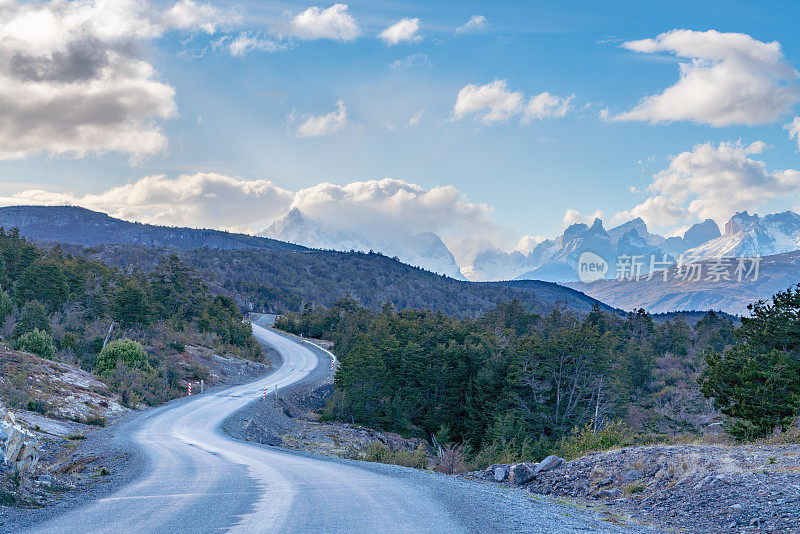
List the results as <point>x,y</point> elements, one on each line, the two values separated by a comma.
<point>238,116</point>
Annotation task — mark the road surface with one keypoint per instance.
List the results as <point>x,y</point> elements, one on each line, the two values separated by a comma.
<point>199,480</point>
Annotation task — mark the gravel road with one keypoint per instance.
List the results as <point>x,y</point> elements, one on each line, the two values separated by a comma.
<point>195,477</point>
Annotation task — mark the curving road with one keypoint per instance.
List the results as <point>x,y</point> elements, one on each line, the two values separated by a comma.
<point>200,480</point>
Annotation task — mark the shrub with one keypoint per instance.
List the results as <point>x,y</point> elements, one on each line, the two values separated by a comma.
<point>586,439</point>
<point>380,453</point>
<point>36,342</point>
<point>38,406</point>
<point>127,351</point>
<point>451,461</point>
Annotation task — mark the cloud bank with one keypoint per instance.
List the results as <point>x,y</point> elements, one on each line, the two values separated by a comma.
<point>730,78</point>
<point>71,79</point>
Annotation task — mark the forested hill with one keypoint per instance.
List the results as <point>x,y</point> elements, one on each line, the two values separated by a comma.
<point>280,281</point>
<point>277,277</point>
<point>79,226</point>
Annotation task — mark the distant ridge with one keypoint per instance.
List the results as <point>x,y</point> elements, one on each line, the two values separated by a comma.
<point>80,226</point>
<point>274,276</point>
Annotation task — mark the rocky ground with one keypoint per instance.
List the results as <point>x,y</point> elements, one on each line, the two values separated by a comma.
<point>692,488</point>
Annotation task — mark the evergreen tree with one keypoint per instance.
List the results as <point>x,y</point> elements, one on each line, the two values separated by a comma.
<point>32,316</point>
<point>131,305</point>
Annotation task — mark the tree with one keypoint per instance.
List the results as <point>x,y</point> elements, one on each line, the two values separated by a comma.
<point>6,306</point>
<point>33,315</point>
<point>44,281</point>
<point>775,325</point>
<point>127,351</point>
<point>131,307</point>
<point>761,389</point>
<point>36,342</point>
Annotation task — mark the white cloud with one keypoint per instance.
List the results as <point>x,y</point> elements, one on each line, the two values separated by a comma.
<point>402,31</point>
<point>574,217</point>
<point>71,80</point>
<point>246,42</point>
<point>546,106</point>
<point>731,78</point>
<point>713,182</point>
<point>414,120</point>
<point>476,23</point>
<point>414,60</point>
<point>794,130</point>
<point>187,14</point>
<point>492,102</point>
<point>333,23</point>
<point>320,125</point>
<point>378,208</point>
<point>196,200</point>
<point>528,242</point>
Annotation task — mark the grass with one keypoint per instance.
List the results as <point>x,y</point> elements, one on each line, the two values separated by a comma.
<point>634,488</point>
<point>75,437</point>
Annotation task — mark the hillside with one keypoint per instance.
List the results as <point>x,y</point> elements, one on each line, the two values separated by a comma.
<point>275,276</point>
<point>79,226</point>
<point>776,273</point>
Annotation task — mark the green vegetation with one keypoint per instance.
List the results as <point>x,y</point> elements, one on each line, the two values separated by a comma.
<point>37,342</point>
<point>284,280</point>
<point>587,439</point>
<point>123,351</point>
<point>513,384</point>
<point>380,453</point>
<point>61,306</point>
<point>757,381</point>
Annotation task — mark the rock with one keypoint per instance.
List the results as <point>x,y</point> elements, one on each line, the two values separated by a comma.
<point>500,473</point>
<point>607,481</point>
<point>45,480</point>
<point>758,521</point>
<point>609,494</point>
<point>519,474</point>
<point>736,506</point>
<point>548,464</point>
<point>631,475</point>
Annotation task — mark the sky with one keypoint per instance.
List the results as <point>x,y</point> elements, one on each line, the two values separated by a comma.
<point>485,122</point>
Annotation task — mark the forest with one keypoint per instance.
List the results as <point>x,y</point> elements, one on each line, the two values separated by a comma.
<point>62,306</point>
<point>513,384</point>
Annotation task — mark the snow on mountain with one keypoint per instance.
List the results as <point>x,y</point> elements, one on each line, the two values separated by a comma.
<point>751,235</point>
<point>424,250</point>
<point>641,229</point>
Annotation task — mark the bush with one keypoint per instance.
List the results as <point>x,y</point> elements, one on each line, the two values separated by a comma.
<point>586,439</point>
<point>451,461</point>
<point>36,342</point>
<point>127,351</point>
<point>380,453</point>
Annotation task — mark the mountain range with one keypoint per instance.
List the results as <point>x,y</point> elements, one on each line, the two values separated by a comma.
<point>424,250</point>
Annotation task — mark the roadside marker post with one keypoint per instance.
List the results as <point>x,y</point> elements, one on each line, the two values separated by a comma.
<point>264,396</point>
<point>190,389</point>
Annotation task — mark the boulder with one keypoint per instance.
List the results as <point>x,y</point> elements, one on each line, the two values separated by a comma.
<point>19,448</point>
<point>609,494</point>
<point>548,464</point>
<point>631,475</point>
<point>519,474</point>
<point>500,473</point>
